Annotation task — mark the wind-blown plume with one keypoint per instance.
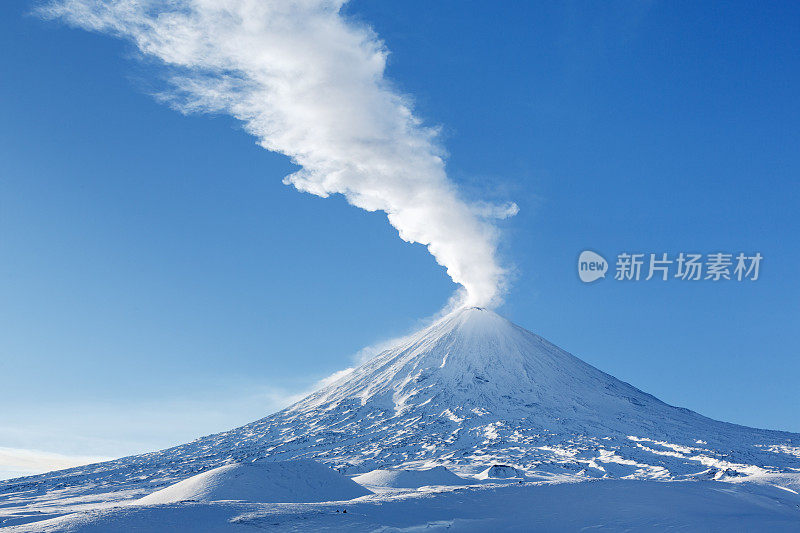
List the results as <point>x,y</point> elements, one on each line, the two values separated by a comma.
<point>308,83</point>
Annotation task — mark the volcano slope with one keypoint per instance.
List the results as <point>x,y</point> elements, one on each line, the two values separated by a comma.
<point>470,391</point>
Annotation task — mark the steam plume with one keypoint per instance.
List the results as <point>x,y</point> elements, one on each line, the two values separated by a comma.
<point>308,83</point>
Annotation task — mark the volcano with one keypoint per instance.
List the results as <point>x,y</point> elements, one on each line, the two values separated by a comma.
<point>470,391</point>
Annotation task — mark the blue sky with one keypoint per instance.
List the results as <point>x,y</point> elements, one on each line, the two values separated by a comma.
<point>159,282</point>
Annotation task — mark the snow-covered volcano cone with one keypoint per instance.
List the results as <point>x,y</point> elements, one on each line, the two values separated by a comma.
<point>471,391</point>
<point>476,364</point>
<point>474,388</point>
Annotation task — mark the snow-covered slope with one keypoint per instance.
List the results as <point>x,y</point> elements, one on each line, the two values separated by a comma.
<point>470,391</point>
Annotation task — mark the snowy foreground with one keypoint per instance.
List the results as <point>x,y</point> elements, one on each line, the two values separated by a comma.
<point>472,424</point>
<point>605,505</point>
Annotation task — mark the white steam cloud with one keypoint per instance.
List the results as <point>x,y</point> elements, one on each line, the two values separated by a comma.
<point>308,83</point>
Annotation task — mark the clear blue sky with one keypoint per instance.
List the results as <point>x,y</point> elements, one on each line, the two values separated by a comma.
<point>159,282</point>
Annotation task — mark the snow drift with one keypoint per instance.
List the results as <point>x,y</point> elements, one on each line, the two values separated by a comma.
<point>260,481</point>
<point>409,479</point>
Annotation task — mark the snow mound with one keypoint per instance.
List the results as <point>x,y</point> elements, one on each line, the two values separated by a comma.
<point>262,481</point>
<point>500,472</point>
<point>410,479</point>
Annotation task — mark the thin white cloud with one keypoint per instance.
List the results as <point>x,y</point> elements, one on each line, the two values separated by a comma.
<point>309,83</point>
<point>18,462</point>
<point>85,432</point>
<point>496,211</point>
